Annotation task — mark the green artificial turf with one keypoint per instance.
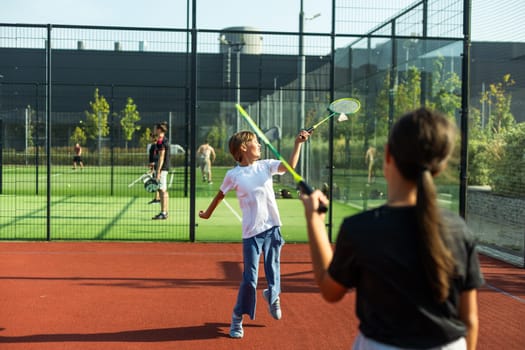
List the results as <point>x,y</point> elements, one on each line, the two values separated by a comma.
<point>96,204</point>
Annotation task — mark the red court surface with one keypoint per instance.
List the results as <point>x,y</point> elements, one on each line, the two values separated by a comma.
<point>81,295</point>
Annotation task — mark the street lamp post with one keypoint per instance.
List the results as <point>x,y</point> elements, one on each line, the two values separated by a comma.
<point>303,165</point>
<point>238,82</point>
<point>302,68</point>
<point>237,48</point>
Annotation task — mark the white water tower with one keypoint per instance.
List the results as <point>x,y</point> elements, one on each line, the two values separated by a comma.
<point>247,43</point>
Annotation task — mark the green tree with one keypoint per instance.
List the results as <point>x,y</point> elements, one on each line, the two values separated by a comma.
<point>446,85</point>
<point>446,98</point>
<point>129,117</point>
<point>145,138</point>
<point>496,149</point>
<point>96,125</point>
<point>408,92</point>
<point>499,101</point>
<point>78,136</point>
<point>218,134</point>
<point>382,106</point>
<point>479,158</point>
<point>406,95</point>
<point>509,166</point>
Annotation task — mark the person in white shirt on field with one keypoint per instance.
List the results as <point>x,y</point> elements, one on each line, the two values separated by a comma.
<point>252,180</point>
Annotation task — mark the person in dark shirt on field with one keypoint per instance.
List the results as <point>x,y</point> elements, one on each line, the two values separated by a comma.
<point>153,157</point>
<point>162,167</point>
<point>414,266</point>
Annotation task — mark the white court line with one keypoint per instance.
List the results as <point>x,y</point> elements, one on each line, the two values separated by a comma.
<point>40,177</point>
<point>521,300</point>
<point>356,206</point>
<point>44,177</point>
<point>232,210</point>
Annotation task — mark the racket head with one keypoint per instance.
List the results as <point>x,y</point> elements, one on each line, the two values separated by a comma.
<point>347,105</point>
<point>151,185</point>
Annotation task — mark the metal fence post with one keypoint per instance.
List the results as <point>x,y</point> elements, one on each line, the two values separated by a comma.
<point>331,128</point>
<point>465,97</point>
<point>48,132</point>
<point>1,154</point>
<point>193,119</point>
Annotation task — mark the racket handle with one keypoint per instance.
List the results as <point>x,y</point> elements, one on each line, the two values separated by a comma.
<point>307,189</point>
<point>309,130</point>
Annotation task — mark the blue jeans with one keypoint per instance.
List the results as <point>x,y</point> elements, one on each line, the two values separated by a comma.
<point>269,243</point>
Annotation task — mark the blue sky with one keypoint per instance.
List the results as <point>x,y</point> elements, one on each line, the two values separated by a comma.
<point>492,20</point>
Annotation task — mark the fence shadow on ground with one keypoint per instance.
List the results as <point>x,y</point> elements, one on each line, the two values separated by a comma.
<point>200,332</point>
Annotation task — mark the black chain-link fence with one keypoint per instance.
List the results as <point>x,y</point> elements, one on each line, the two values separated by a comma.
<point>109,86</point>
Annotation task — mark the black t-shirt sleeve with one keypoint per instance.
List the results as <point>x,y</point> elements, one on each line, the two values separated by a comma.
<point>343,267</point>
<point>463,246</point>
<point>152,153</point>
<point>166,147</point>
<point>473,276</point>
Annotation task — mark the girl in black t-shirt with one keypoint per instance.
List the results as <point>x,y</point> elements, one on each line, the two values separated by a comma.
<point>414,267</point>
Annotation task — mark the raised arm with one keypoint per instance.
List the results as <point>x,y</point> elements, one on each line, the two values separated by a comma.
<point>294,157</point>
<point>211,208</point>
<point>320,248</point>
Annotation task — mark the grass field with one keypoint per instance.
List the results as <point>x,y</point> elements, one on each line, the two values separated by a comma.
<point>87,205</point>
<point>82,207</point>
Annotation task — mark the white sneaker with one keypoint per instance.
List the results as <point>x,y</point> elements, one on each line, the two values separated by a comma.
<point>236,330</point>
<point>275,308</point>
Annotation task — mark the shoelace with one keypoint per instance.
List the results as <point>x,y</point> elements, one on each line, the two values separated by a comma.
<point>236,322</point>
<point>276,305</point>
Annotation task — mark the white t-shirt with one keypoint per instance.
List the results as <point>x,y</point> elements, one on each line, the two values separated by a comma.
<point>254,187</point>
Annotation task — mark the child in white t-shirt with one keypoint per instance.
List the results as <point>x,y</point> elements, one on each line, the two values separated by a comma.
<point>252,180</point>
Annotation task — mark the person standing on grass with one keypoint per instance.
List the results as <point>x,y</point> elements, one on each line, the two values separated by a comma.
<point>370,156</point>
<point>77,158</point>
<point>206,155</point>
<point>252,179</point>
<point>162,152</point>
<point>414,267</point>
<point>153,158</point>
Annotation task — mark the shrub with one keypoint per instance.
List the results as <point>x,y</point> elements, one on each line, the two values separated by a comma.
<point>508,177</point>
